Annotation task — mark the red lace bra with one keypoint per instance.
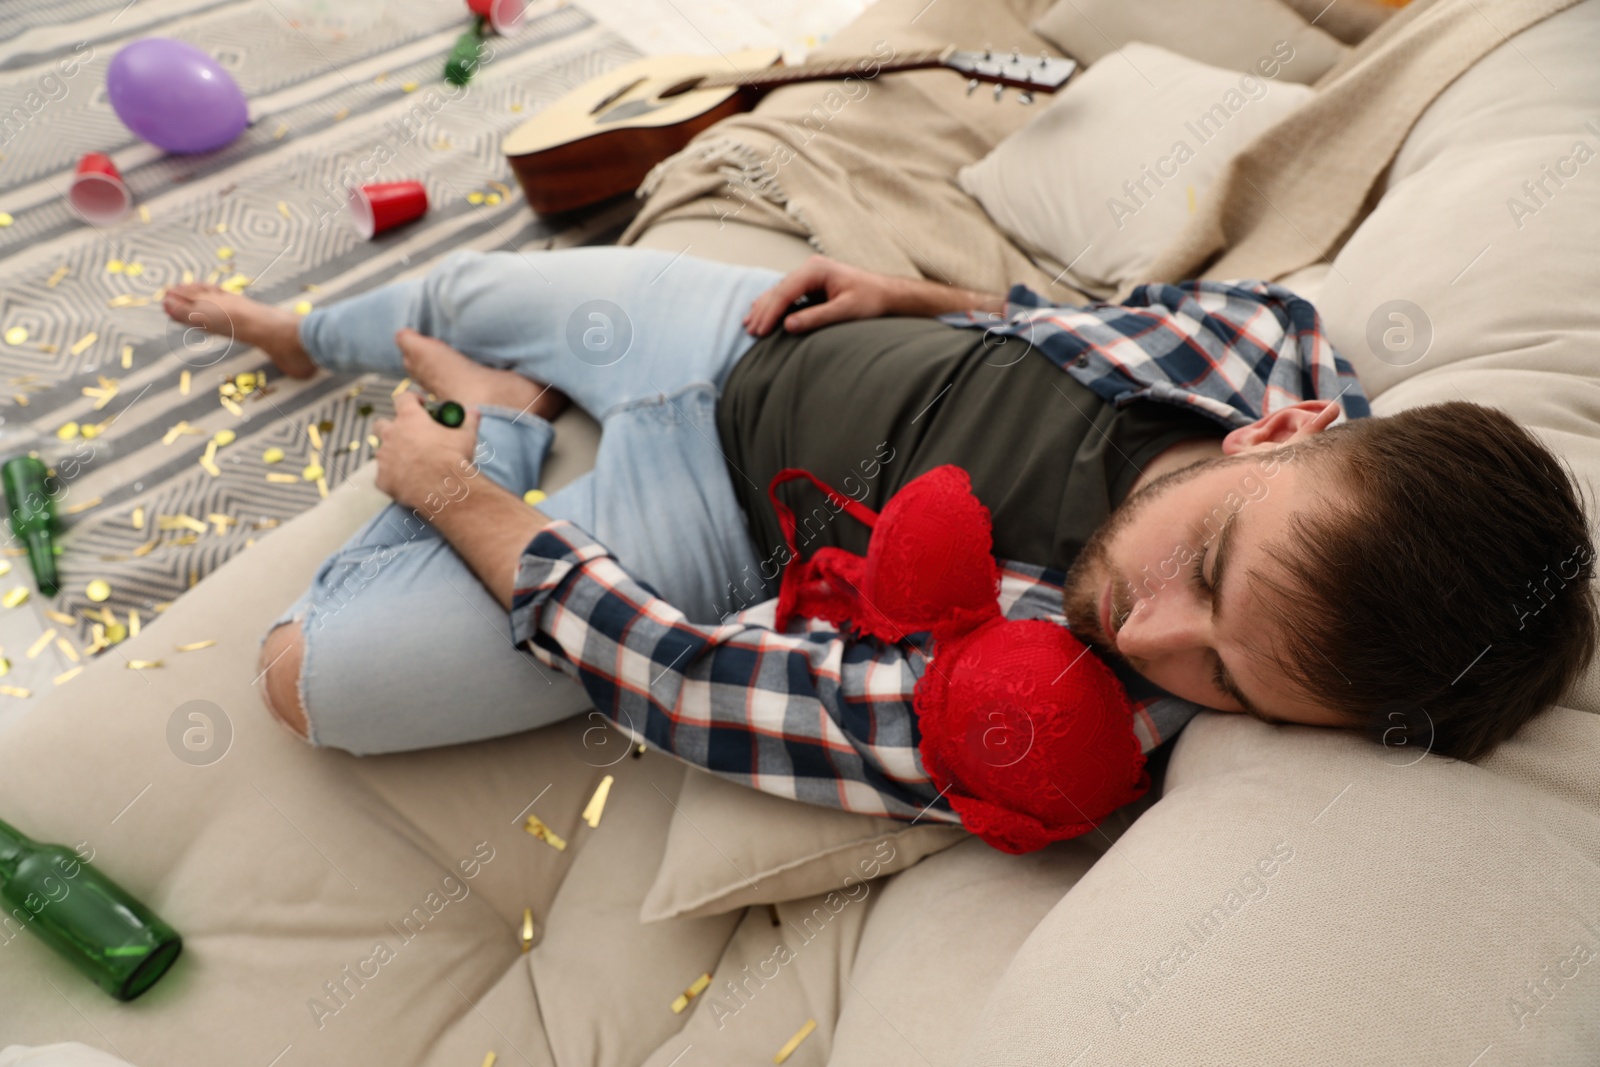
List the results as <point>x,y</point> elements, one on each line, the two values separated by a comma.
<point>1028,733</point>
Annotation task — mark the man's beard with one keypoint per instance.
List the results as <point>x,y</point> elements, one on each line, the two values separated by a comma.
<point>1086,578</point>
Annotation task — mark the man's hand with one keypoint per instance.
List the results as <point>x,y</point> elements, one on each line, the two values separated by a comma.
<point>853,294</point>
<point>420,462</point>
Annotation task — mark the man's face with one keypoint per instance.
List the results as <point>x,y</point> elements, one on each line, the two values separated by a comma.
<point>1133,592</point>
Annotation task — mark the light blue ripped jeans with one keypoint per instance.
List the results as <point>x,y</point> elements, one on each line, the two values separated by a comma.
<point>404,647</point>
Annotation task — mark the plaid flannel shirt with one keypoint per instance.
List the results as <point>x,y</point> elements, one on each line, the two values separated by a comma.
<point>825,718</point>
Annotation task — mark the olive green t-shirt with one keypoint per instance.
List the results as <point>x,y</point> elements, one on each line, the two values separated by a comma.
<point>867,406</point>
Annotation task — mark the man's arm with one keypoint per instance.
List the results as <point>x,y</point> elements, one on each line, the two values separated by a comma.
<point>854,293</point>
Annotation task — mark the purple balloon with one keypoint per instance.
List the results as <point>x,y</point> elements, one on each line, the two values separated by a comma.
<point>175,96</point>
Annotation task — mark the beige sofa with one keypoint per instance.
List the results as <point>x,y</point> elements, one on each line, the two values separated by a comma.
<point>1291,896</point>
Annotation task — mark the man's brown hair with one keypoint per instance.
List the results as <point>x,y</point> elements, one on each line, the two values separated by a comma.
<point>1444,599</point>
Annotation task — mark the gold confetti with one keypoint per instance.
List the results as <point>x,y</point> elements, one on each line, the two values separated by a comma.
<point>6,219</point>
<point>405,383</point>
<point>322,488</point>
<point>492,199</point>
<point>208,462</point>
<point>794,1042</point>
<point>133,624</point>
<point>17,596</point>
<point>516,107</point>
<point>17,335</point>
<point>20,399</point>
<point>312,471</point>
<point>127,356</point>
<point>689,994</point>
<point>67,650</point>
<point>16,691</point>
<point>488,1059</point>
<point>302,307</point>
<point>67,676</point>
<point>133,270</point>
<point>535,826</point>
<point>372,439</point>
<point>148,547</point>
<point>282,479</point>
<point>194,646</point>
<point>236,283</point>
<point>114,634</point>
<point>353,446</point>
<point>283,128</point>
<point>314,432</point>
<point>232,407</point>
<point>224,437</point>
<point>221,227</point>
<point>534,497</point>
<point>67,431</point>
<point>597,803</point>
<point>342,114</point>
<point>60,616</point>
<point>221,521</point>
<point>98,590</point>
<point>180,522</point>
<point>82,505</point>
<point>188,277</point>
<point>179,429</point>
<point>225,253</point>
<point>526,937</point>
<point>82,343</point>
<point>474,198</point>
<point>114,266</point>
<point>272,455</point>
<point>138,517</point>
<point>140,664</point>
<point>245,380</point>
<point>55,278</point>
<point>144,213</point>
<point>5,567</point>
<point>409,87</point>
<point>42,642</point>
<point>183,383</point>
<point>5,667</point>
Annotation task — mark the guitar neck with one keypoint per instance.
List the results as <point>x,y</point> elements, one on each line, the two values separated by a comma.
<point>771,77</point>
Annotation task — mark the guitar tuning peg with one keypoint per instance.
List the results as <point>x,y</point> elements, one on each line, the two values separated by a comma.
<point>1024,98</point>
<point>999,91</point>
<point>1044,59</point>
<point>972,83</point>
<point>1016,55</point>
<point>988,52</point>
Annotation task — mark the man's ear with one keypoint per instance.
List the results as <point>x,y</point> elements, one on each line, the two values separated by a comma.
<point>1284,426</point>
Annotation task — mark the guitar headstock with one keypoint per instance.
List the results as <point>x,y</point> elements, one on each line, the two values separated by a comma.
<point>1041,73</point>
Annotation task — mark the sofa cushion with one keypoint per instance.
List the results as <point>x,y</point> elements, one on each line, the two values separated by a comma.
<point>1301,895</point>
<point>1233,34</point>
<point>1101,180</point>
<point>729,847</point>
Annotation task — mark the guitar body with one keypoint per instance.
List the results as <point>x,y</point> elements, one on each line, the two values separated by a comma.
<point>601,139</point>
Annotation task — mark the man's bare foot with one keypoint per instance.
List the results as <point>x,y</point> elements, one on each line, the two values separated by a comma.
<point>232,315</point>
<point>449,375</point>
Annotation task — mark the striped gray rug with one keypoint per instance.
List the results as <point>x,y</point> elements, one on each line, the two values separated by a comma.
<point>146,508</point>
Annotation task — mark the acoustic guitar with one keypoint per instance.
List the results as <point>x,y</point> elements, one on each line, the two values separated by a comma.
<point>601,139</point>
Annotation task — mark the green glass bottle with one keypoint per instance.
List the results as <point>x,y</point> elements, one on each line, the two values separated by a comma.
<point>33,516</point>
<point>107,934</point>
<point>462,62</point>
<point>446,412</point>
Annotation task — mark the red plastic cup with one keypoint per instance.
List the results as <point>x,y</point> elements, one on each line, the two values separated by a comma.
<point>381,207</point>
<point>505,16</point>
<point>97,190</point>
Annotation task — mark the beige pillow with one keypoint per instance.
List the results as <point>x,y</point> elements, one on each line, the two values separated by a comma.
<point>1235,34</point>
<point>729,846</point>
<point>1104,177</point>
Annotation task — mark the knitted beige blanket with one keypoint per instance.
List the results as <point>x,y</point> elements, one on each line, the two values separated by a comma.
<point>865,171</point>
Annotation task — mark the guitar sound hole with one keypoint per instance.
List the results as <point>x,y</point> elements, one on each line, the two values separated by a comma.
<point>679,88</point>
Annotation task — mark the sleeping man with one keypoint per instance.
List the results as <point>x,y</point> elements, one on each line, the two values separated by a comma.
<point>1189,481</point>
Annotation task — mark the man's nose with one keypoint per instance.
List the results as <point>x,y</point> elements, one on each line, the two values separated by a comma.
<point>1162,623</point>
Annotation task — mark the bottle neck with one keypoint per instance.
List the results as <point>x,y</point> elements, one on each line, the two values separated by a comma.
<point>13,846</point>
